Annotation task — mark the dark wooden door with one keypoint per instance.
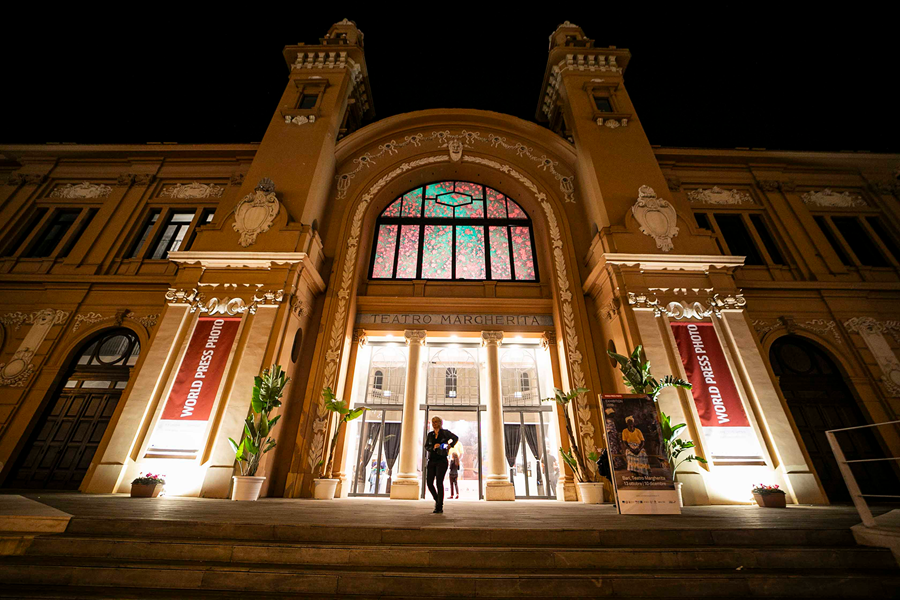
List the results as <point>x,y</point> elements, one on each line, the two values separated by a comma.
<point>65,438</point>
<point>61,451</point>
<point>819,400</point>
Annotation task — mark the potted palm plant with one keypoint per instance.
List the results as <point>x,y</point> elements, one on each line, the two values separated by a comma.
<point>637,377</point>
<point>674,447</point>
<point>267,391</point>
<point>325,485</point>
<point>589,487</point>
<point>147,486</point>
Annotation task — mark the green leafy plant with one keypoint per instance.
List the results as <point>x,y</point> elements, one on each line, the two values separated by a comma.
<point>267,391</point>
<point>637,377</point>
<point>674,446</point>
<point>346,414</point>
<point>574,457</point>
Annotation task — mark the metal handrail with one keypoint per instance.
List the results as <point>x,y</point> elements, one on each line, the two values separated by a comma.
<point>859,499</point>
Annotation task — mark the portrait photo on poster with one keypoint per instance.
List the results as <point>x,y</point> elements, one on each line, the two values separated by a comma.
<point>634,442</point>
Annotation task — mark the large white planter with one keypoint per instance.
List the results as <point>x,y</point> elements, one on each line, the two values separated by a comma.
<point>678,485</point>
<point>324,488</point>
<point>246,488</point>
<point>591,493</point>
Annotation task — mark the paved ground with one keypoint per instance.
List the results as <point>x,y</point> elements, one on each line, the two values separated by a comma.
<point>416,514</point>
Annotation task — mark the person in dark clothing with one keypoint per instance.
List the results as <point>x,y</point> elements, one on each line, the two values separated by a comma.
<point>454,476</point>
<point>438,443</point>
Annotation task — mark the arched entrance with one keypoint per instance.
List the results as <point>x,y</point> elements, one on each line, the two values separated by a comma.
<point>819,400</point>
<point>60,449</point>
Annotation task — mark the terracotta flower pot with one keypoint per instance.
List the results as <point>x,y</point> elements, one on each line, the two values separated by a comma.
<point>145,490</point>
<point>770,500</point>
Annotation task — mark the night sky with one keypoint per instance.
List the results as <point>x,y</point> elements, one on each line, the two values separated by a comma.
<point>755,76</point>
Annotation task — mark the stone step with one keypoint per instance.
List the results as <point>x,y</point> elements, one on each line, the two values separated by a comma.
<point>520,559</point>
<point>446,584</point>
<point>512,538</point>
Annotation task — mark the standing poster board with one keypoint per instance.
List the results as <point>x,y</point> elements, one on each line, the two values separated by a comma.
<point>640,472</point>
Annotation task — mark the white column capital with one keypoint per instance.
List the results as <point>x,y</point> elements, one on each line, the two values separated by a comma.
<point>415,336</point>
<point>491,338</point>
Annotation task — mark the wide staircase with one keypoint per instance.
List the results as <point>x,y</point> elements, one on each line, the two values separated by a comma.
<point>139,558</point>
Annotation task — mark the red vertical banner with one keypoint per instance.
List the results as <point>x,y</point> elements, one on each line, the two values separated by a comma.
<point>722,415</point>
<point>189,405</point>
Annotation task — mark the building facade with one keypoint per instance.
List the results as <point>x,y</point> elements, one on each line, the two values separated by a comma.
<point>454,262</point>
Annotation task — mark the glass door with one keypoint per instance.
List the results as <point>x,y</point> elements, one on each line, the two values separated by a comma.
<point>465,423</point>
<point>532,470</point>
<point>377,452</point>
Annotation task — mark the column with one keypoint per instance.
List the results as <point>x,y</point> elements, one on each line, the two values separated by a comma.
<point>497,483</point>
<point>340,450</point>
<point>565,485</point>
<point>405,485</point>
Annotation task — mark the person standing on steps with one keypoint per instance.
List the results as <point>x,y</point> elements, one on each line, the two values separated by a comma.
<point>438,443</point>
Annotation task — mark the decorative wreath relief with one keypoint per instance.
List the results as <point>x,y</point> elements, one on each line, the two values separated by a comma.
<point>656,217</point>
<point>256,212</point>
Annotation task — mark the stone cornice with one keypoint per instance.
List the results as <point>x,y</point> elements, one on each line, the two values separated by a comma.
<point>249,260</point>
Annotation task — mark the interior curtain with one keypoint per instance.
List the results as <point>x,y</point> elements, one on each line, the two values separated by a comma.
<point>513,437</point>
<point>531,437</point>
<point>372,431</point>
<point>391,443</point>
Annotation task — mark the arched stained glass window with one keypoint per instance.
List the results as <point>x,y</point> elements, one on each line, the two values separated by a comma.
<point>454,230</point>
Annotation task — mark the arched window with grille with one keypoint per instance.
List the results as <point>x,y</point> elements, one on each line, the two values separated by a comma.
<point>378,380</point>
<point>454,230</point>
<point>450,381</point>
<point>524,381</point>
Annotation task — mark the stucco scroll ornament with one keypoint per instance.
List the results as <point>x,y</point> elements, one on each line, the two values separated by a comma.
<point>193,190</point>
<point>82,190</point>
<point>256,212</point>
<point>656,217</point>
<point>829,198</point>
<point>716,195</point>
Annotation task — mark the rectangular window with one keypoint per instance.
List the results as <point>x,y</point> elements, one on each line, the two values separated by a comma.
<point>73,239</point>
<point>308,101</point>
<point>26,226</point>
<point>603,104</point>
<point>838,248</point>
<point>763,231</point>
<point>738,239</point>
<point>703,221</point>
<point>206,218</point>
<point>172,234</point>
<point>145,233</point>
<point>860,242</point>
<point>50,237</point>
<point>889,241</point>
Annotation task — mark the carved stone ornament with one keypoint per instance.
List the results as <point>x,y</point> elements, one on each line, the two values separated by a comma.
<point>674,183</point>
<point>237,179</point>
<point>17,319</point>
<point>656,217</point>
<point>715,195</point>
<point>612,123</point>
<point>299,309</point>
<point>491,337</point>
<point>678,309</point>
<point>415,336</point>
<point>832,199</point>
<point>18,371</point>
<point>872,332</point>
<point>82,190</point>
<point>455,148</point>
<point>256,212</point>
<point>193,190</point>
<point>125,179</point>
<point>87,319</point>
<point>769,185</point>
<point>15,179</point>
<point>300,119</point>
